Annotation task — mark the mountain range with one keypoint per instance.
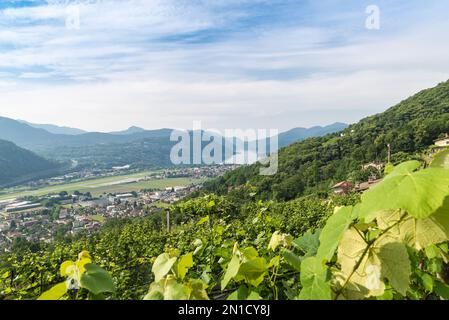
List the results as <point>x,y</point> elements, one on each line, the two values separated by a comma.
<point>136,146</point>
<point>45,137</point>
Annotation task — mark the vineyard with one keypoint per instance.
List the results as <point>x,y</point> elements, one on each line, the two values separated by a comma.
<point>389,243</point>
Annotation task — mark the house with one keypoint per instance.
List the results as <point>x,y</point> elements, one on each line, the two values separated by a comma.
<point>443,142</point>
<point>366,185</point>
<point>343,187</point>
<point>376,165</point>
<point>63,214</point>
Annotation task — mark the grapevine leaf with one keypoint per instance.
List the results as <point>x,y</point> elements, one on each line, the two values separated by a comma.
<point>254,296</point>
<point>308,243</point>
<point>162,266</point>
<point>240,294</point>
<point>250,253</point>
<point>279,239</point>
<point>174,291</point>
<point>253,271</point>
<point>331,234</point>
<point>67,268</point>
<point>202,221</point>
<point>419,193</point>
<point>156,292</point>
<point>416,233</point>
<point>184,264</point>
<point>432,251</point>
<point>365,280</point>
<point>97,280</point>
<point>231,271</point>
<point>395,264</point>
<point>442,290</point>
<point>198,290</point>
<point>55,293</point>
<point>292,259</point>
<point>427,282</point>
<point>314,280</point>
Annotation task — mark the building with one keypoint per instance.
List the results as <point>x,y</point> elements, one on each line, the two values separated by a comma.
<point>443,142</point>
<point>21,207</point>
<point>344,187</point>
<point>376,165</point>
<point>367,185</point>
<point>63,214</point>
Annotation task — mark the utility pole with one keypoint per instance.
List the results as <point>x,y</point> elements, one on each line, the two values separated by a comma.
<point>168,220</point>
<point>389,153</point>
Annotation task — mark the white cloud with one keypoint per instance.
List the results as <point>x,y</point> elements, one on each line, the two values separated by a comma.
<point>116,71</point>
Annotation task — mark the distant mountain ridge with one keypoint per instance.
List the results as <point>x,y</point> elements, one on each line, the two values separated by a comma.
<point>54,128</point>
<point>132,146</point>
<point>298,134</point>
<point>42,138</point>
<point>130,130</point>
<point>19,165</point>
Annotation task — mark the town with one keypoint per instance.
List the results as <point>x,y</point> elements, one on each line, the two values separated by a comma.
<point>44,218</point>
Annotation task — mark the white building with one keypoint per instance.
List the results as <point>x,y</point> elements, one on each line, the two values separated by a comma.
<point>444,142</point>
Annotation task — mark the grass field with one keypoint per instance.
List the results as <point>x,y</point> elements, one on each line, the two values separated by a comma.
<point>116,184</point>
<point>98,218</point>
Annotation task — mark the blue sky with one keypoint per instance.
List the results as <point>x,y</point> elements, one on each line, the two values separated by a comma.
<point>228,63</point>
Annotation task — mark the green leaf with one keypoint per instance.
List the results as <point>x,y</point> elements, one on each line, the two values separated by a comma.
<point>231,271</point>
<point>388,295</point>
<point>314,280</point>
<point>55,293</point>
<point>292,259</point>
<point>175,291</point>
<point>308,243</point>
<point>202,221</point>
<point>419,193</point>
<point>416,233</point>
<point>240,294</point>
<point>427,282</point>
<point>250,253</point>
<point>156,292</point>
<point>279,239</point>
<point>432,251</point>
<point>198,290</point>
<point>254,296</point>
<point>97,280</point>
<point>442,290</point>
<point>365,280</point>
<point>333,231</point>
<point>395,264</point>
<point>253,271</point>
<point>162,266</point>
<point>184,264</point>
<point>386,258</point>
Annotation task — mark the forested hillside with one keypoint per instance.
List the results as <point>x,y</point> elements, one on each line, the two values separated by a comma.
<point>17,164</point>
<point>315,164</point>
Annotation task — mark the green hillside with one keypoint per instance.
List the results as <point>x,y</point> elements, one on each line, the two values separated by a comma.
<point>17,164</point>
<point>315,164</point>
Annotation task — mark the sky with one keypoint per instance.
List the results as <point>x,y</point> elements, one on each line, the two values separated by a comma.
<point>102,65</point>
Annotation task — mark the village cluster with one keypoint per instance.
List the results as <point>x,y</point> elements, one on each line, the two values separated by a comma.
<point>46,217</point>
